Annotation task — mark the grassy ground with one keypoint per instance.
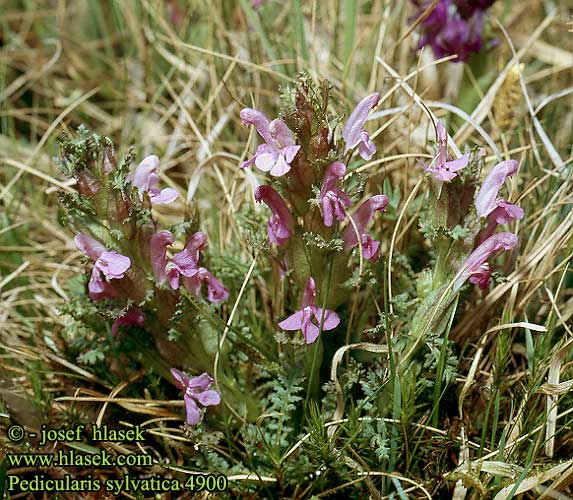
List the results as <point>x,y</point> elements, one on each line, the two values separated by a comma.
<point>170,77</point>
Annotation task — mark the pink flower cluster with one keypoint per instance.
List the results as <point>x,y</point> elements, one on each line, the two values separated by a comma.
<point>110,265</point>
<point>280,155</point>
<point>487,203</point>
<point>184,266</point>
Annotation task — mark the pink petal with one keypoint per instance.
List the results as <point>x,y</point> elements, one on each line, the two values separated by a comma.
<point>281,133</point>
<point>357,119</point>
<point>506,212</point>
<point>486,198</point>
<point>442,140</point>
<point>331,319</point>
<point>481,276</point>
<point>201,382</point>
<point>96,284</point>
<point>293,322</point>
<point>362,218</point>
<point>181,379</point>
<point>113,264</point>
<point>185,263</point>
<point>366,147</point>
<point>164,196</point>
<point>193,285</point>
<point>266,161</point>
<point>254,117</point>
<point>194,414</point>
<point>282,223</point>
<point>494,244</point>
<point>290,152</point>
<point>208,398</point>
<point>92,248</point>
<point>145,176</point>
<point>458,164</point>
<point>309,292</point>
<point>216,292</point>
<point>327,211</point>
<point>310,332</point>
<point>158,251</point>
<point>281,167</point>
<point>370,248</point>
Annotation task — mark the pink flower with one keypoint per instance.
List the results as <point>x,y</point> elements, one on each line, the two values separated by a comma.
<point>487,199</point>
<point>110,265</point>
<point>281,224</point>
<point>133,317</point>
<point>184,265</point>
<point>302,319</point>
<point>279,150</point>
<point>354,133</point>
<point>216,292</point>
<point>332,198</point>
<point>473,265</point>
<point>488,203</point>
<point>197,390</point>
<point>361,218</point>
<point>503,214</point>
<point>146,179</point>
<point>442,169</point>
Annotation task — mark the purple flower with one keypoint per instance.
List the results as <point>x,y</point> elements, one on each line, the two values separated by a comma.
<point>279,150</point>
<point>281,224</point>
<point>454,27</point>
<point>146,179</point>
<point>354,133</point>
<point>442,169</point>
<point>302,319</point>
<point>133,317</point>
<point>487,197</point>
<point>184,265</point>
<point>361,218</point>
<point>473,265</point>
<point>332,198</point>
<point>110,265</point>
<point>459,36</point>
<point>197,390</point>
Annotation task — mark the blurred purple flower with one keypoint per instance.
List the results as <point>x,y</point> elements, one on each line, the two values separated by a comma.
<point>302,319</point>
<point>354,133</point>
<point>133,317</point>
<point>184,265</point>
<point>281,224</point>
<point>361,218</point>
<point>197,390</point>
<point>146,179</point>
<point>332,198</point>
<point>442,169</point>
<point>110,265</point>
<point>453,27</point>
<point>279,150</point>
<point>473,265</point>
